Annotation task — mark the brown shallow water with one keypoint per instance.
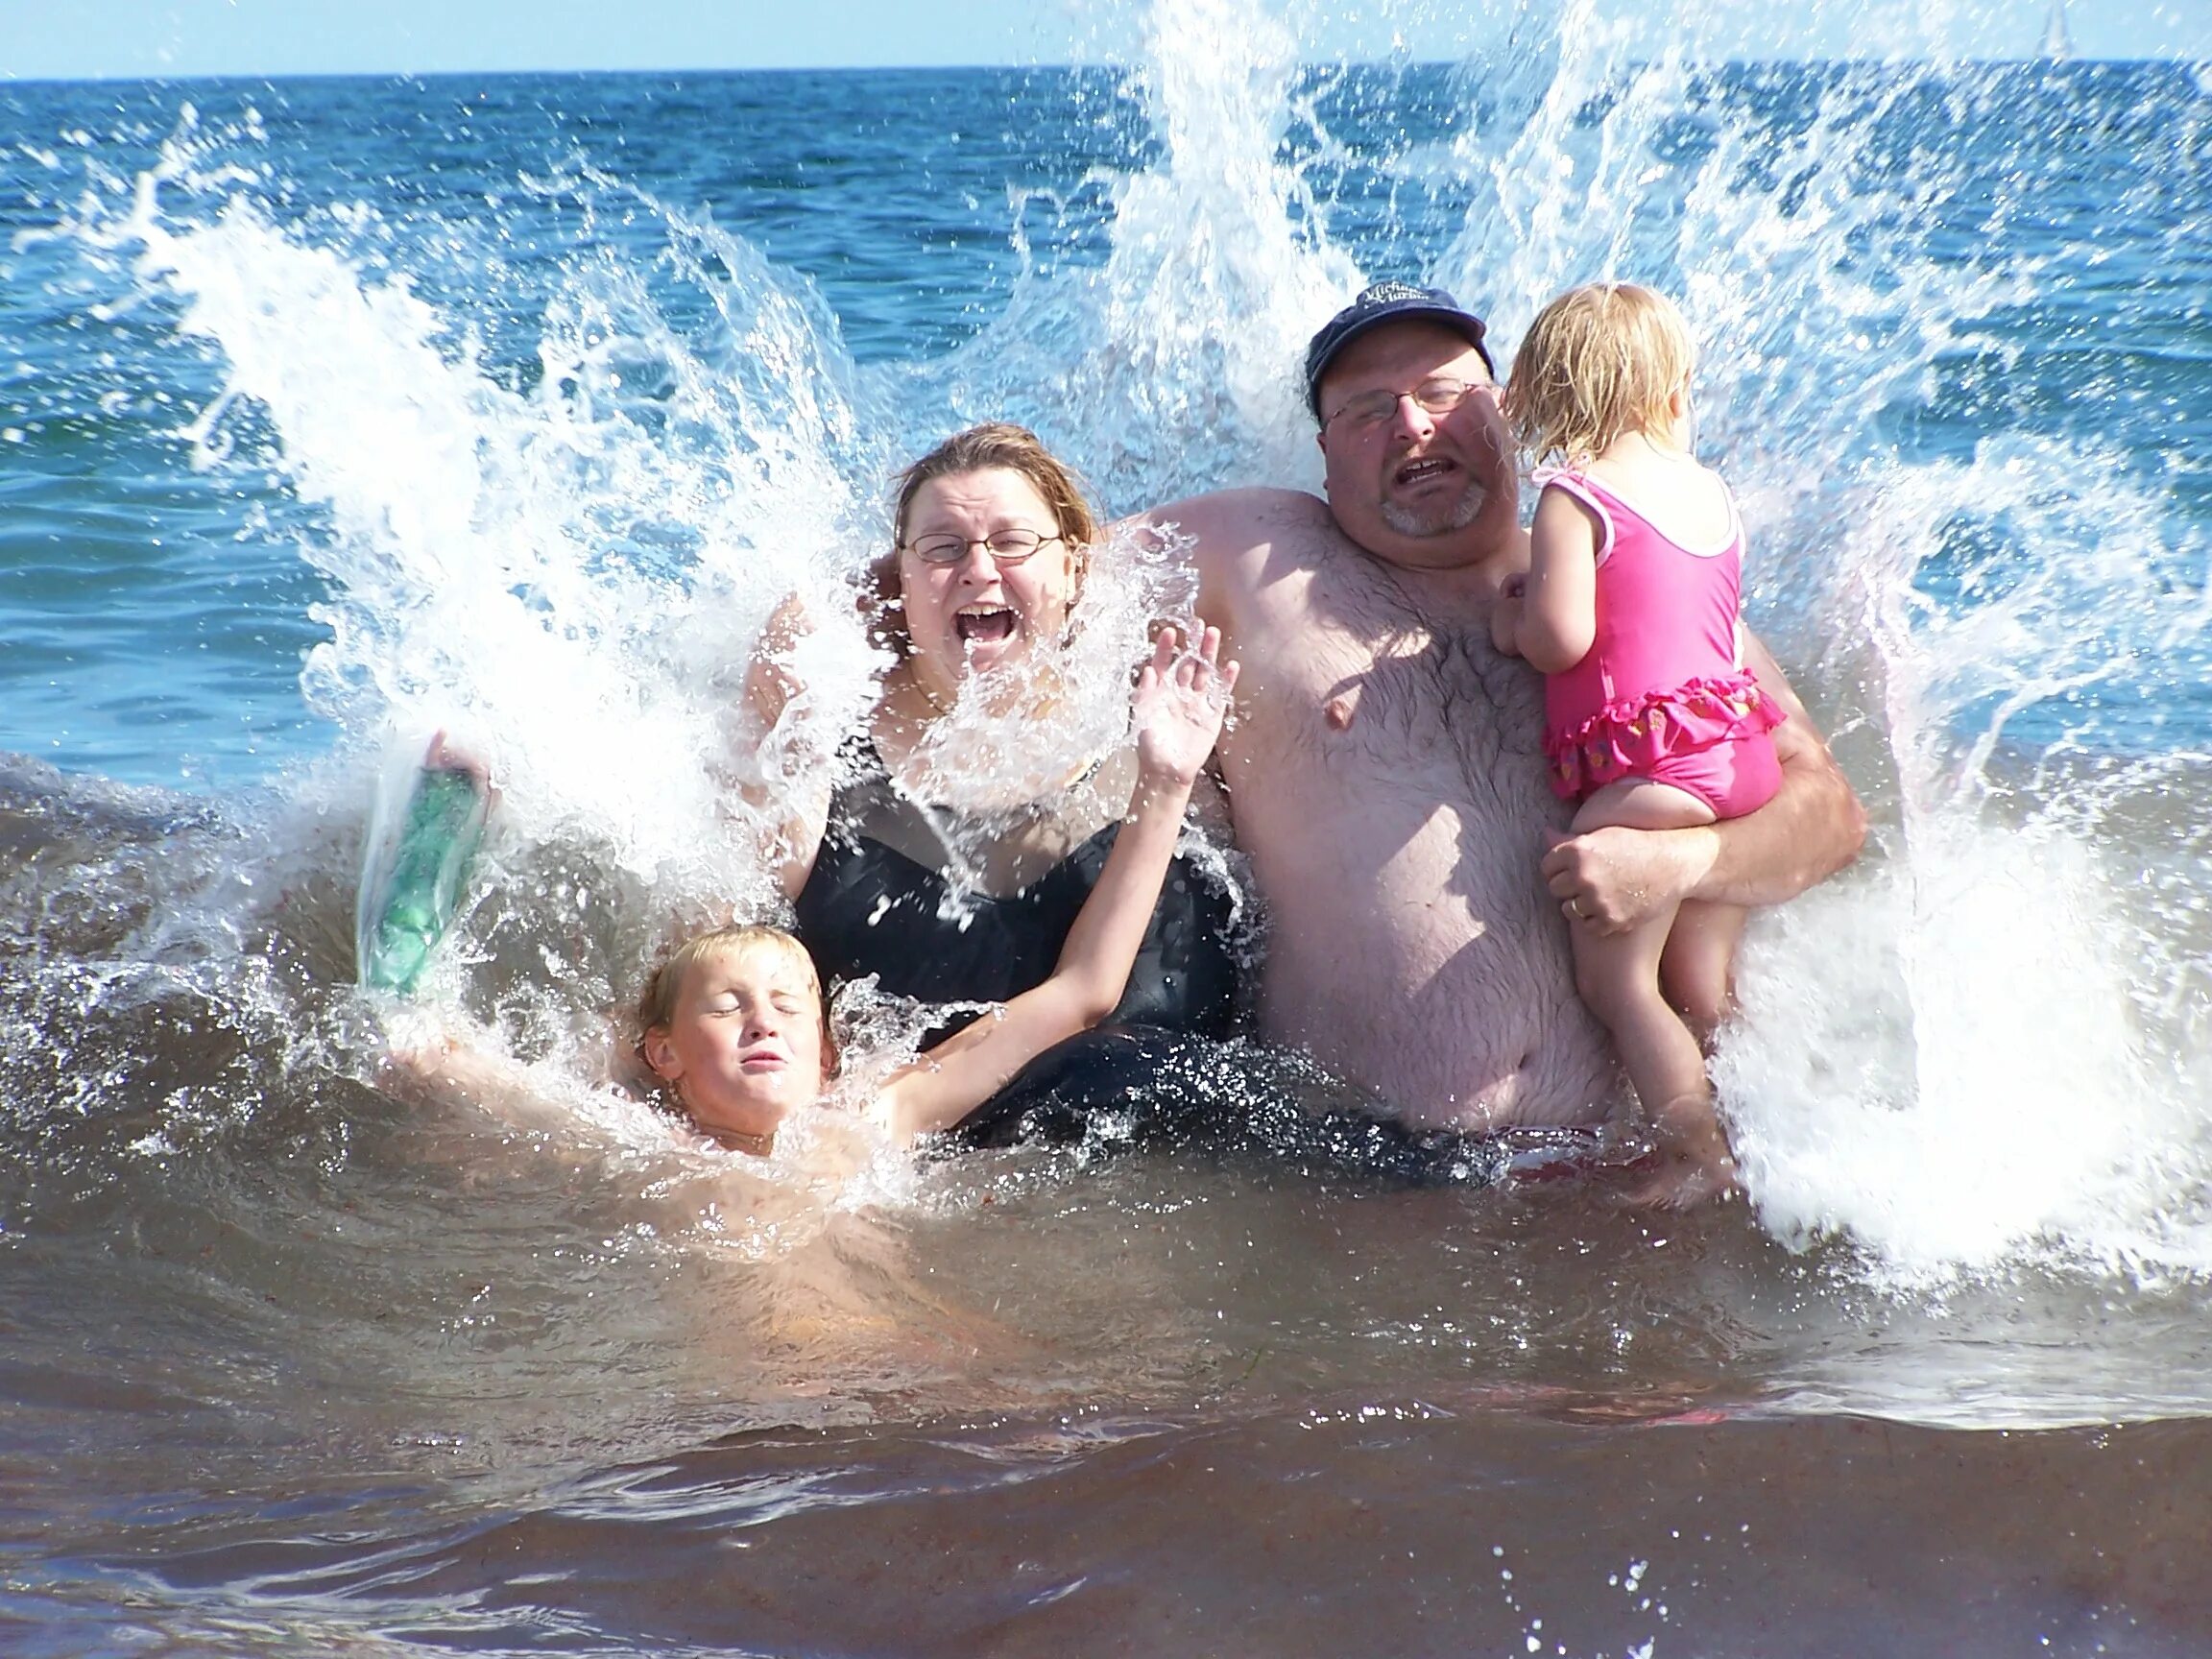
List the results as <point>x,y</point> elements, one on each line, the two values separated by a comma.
<point>289,1365</point>
<point>1338,1530</point>
<point>437,1414</point>
<point>1430,1527</point>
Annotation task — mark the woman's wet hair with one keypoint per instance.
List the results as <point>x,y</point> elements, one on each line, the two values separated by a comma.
<point>994,446</point>
<point>1600,361</point>
<point>664,985</point>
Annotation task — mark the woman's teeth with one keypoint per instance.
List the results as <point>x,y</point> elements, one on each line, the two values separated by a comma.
<point>977,627</point>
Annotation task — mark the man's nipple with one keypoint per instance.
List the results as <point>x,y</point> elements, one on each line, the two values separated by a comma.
<point>1338,713</point>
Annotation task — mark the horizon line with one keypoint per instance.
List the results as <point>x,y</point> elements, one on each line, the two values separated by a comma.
<point>9,79</point>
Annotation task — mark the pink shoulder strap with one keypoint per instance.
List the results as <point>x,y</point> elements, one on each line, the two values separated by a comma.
<point>1584,491</point>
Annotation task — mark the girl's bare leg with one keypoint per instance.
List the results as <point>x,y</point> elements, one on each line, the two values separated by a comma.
<point>1698,969</point>
<point>1617,976</point>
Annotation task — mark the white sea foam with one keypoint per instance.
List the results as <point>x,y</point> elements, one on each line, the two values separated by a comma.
<point>1981,1047</point>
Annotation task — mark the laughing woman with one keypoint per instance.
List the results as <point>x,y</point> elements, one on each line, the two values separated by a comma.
<point>949,857</point>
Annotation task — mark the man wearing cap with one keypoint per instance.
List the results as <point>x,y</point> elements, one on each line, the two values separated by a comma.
<point>1384,766</point>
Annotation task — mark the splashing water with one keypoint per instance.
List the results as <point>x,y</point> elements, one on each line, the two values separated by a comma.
<point>1981,1045</point>
<point>555,571</point>
<point>2015,1021</point>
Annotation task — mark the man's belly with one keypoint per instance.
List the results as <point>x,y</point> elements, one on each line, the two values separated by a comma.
<point>1416,953</point>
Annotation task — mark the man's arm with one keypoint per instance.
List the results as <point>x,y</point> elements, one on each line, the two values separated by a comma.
<point>1811,828</point>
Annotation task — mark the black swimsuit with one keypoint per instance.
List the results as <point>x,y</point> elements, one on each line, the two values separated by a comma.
<point>879,900</point>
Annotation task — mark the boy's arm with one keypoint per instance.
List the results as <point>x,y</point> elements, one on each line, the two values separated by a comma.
<point>770,688</point>
<point>452,1069</point>
<point>1179,707</point>
<point>1811,828</point>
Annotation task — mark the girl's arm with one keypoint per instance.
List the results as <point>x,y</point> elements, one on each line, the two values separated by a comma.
<point>1179,703</point>
<point>1558,615</point>
<point>770,688</point>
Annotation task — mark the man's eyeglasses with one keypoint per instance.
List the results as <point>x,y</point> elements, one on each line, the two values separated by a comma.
<point>1007,547</point>
<point>1370,410</point>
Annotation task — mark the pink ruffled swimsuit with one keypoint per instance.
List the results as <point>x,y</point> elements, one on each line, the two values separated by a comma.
<point>1660,694</point>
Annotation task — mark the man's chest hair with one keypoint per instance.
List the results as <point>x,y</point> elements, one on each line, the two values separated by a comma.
<point>1355,666</point>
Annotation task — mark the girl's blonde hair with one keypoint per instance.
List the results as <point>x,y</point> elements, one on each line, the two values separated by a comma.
<point>664,986</point>
<point>1600,361</point>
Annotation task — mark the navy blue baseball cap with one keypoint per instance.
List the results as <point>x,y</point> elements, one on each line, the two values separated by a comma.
<point>1386,303</point>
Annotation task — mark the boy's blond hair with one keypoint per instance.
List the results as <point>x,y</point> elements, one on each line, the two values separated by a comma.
<point>656,1006</point>
<point>1600,361</point>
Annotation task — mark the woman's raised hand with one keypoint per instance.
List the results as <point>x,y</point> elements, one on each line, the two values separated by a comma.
<point>1180,700</point>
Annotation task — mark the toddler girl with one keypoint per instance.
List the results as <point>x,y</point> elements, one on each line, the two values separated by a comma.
<point>1651,721</point>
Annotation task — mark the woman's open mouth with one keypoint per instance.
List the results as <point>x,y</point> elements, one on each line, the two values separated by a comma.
<point>984,626</point>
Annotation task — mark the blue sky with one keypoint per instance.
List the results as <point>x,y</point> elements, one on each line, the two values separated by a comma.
<point>94,38</point>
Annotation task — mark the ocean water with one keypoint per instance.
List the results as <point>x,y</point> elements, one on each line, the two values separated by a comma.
<point>333,413</point>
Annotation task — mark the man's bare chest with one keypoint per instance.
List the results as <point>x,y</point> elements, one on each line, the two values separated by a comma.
<point>1350,678</point>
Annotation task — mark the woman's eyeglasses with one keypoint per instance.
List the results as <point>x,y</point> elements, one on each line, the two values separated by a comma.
<point>1007,547</point>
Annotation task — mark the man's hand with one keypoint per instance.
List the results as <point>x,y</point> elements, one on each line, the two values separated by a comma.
<point>1673,1179</point>
<point>1610,879</point>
